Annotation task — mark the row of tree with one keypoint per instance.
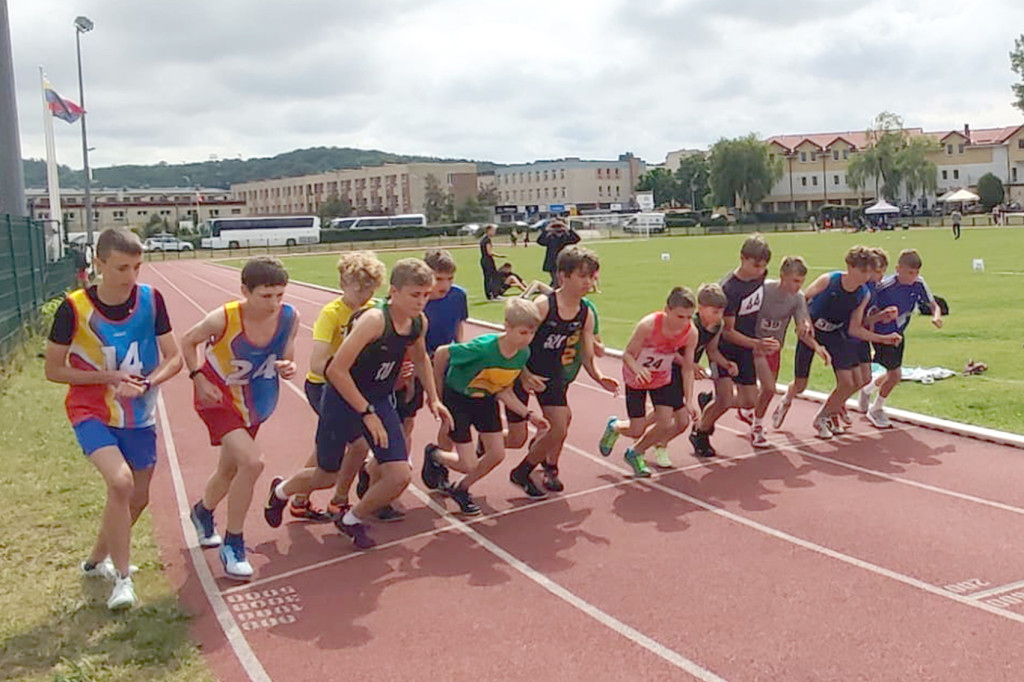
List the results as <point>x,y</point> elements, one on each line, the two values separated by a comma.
<point>440,205</point>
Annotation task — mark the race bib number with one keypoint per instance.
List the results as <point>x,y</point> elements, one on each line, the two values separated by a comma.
<point>752,303</point>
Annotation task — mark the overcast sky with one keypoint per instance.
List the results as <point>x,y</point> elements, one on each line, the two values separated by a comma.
<point>509,82</point>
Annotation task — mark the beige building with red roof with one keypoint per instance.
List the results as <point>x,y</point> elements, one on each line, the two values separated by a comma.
<point>815,165</point>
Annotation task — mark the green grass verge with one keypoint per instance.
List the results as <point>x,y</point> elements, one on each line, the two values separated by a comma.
<point>53,624</point>
<point>985,323</point>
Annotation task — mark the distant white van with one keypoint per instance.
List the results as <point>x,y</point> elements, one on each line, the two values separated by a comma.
<point>379,222</point>
<point>644,223</point>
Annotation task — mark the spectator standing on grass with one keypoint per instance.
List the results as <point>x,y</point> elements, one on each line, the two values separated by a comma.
<point>957,218</point>
<point>487,255</point>
<point>555,236</point>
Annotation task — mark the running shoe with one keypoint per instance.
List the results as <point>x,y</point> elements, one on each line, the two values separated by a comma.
<point>835,424</point>
<point>779,415</point>
<point>104,569</point>
<point>701,442</point>
<point>206,529</point>
<point>389,514</point>
<point>467,505</point>
<point>302,509</point>
<point>703,399</point>
<point>864,401</point>
<point>273,510</point>
<point>845,416</point>
<point>757,438</point>
<point>430,472</point>
<point>745,415</point>
<point>357,532</point>
<point>609,437</point>
<point>661,457</point>
<point>123,595</point>
<point>549,477</point>
<point>879,419</point>
<point>637,461</point>
<point>821,427</point>
<point>523,480</point>
<point>336,509</point>
<point>232,556</point>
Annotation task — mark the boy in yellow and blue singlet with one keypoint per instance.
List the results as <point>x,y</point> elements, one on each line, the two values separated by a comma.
<point>248,344</point>
<point>106,344</point>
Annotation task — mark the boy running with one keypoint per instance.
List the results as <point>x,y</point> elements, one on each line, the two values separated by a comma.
<point>359,402</point>
<point>248,345</point>
<point>647,370</point>
<point>359,275</point>
<point>106,344</point>
<point>565,318</point>
<point>475,376</point>
<point>903,291</point>
<point>783,301</point>
<point>744,292</point>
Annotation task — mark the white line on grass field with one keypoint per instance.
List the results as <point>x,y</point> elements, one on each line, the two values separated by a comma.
<point>807,544</point>
<point>232,632</point>
<point>609,621</point>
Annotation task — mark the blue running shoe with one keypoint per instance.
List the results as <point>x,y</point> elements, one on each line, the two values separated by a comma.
<point>232,555</point>
<point>609,437</point>
<point>206,530</point>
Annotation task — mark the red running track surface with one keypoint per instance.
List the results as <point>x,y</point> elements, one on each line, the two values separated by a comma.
<point>875,556</point>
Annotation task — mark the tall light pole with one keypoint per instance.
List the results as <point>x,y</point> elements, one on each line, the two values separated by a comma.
<point>84,25</point>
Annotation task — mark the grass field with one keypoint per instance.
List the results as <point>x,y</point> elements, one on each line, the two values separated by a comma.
<point>53,624</point>
<point>985,322</point>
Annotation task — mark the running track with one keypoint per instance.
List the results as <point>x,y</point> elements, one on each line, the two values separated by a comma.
<point>875,556</point>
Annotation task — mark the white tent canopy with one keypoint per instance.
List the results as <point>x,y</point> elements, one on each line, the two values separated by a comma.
<point>958,196</point>
<point>882,206</point>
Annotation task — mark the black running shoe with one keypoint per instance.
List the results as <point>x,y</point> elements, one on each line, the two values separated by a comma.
<point>389,514</point>
<point>523,480</point>
<point>467,505</point>
<point>551,480</point>
<point>703,399</point>
<point>363,484</point>
<point>430,471</point>
<point>701,444</point>
<point>274,508</point>
<point>357,532</point>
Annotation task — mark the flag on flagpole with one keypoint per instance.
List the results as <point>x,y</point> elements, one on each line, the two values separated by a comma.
<point>64,109</point>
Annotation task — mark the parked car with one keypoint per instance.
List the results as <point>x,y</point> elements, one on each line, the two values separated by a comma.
<point>166,242</point>
<point>471,229</point>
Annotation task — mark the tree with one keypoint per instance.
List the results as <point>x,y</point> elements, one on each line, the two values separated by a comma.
<point>488,195</point>
<point>334,207</point>
<point>990,191</point>
<point>742,171</point>
<point>662,183</point>
<point>1017,65</point>
<point>438,203</point>
<point>473,212</point>
<point>894,160</point>
<point>692,177</point>
<point>155,225</point>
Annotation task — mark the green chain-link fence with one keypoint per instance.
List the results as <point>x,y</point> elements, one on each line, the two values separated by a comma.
<point>27,280</point>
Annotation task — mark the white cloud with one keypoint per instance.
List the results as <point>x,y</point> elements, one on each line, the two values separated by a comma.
<point>509,82</point>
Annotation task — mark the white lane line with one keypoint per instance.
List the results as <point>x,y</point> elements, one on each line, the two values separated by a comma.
<point>803,452</point>
<point>609,621</point>
<point>232,632</point>
<point>807,544</point>
<point>996,590</point>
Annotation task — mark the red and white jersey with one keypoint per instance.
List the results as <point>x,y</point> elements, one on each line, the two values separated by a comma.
<point>657,355</point>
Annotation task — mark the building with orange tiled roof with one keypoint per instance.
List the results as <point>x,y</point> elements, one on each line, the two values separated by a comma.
<point>814,166</point>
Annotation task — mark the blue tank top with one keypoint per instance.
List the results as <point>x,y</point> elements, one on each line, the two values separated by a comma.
<point>831,309</point>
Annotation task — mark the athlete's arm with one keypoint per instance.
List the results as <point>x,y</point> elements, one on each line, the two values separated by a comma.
<point>171,363</point>
<point>419,357</point>
<point>210,327</point>
<point>688,364</point>
<point>641,333</point>
<point>859,331</point>
<point>286,366</point>
<point>367,329</point>
<point>440,364</point>
<point>511,401</point>
<point>817,286</point>
<point>535,383</point>
<point>59,372</point>
<point>319,356</point>
<point>607,383</point>
<point>715,355</point>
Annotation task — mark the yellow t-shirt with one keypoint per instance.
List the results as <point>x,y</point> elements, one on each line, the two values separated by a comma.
<point>330,327</point>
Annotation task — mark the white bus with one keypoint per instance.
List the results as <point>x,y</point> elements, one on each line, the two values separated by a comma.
<point>262,231</point>
<point>379,222</point>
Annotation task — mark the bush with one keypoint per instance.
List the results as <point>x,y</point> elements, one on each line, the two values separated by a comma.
<point>681,220</point>
<point>990,191</point>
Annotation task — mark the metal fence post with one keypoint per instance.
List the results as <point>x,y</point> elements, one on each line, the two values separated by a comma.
<point>14,268</point>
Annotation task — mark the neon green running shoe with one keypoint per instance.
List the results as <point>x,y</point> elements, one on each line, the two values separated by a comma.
<point>609,437</point>
<point>662,458</point>
<point>639,464</point>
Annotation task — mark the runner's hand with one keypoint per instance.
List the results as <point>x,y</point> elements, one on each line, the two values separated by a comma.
<point>692,411</point>
<point>539,421</point>
<point>893,339</point>
<point>285,368</point>
<point>376,429</point>
<point>130,387</point>
<point>732,369</point>
<point>643,374</point>
<point>441,412</point>
<point>206,392</point>
<point>609,384</point>
<point>700,372</point>
<point>598,349</point>
<point>824,355</point>
<point>890,314</point>
<point>532,383</point>
<point>768,345</point>
<point>937,321</point>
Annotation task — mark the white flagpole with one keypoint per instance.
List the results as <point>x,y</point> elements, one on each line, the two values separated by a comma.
<point>55,226</point>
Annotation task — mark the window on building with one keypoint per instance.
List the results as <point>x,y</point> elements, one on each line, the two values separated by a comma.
<point>803,182</point>
<point>545,176</point>
<point>563,192</point>
<point>1014,174</point>
<point>956,174</point>
<point>814,156</point>
<point>835,179</point>
<point>945,175</point>
<point>142,213</point>
<point>1020,143</point>
<point>600,190</point>
<point>835,154</point>
<point>214,211</point>
<point>600,173</point>
<point>949,149</point>
<point>618,172</point>
<point>960,149</point>
<point>846,153</point>
<point>803,156</point>
<point>561,174</point>
<point>814,180</point>
<point>236,211</point>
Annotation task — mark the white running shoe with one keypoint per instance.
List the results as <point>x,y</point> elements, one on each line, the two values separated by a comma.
<point>235,564</point>
<point>123,595</point>
<point>105,569</point>
<point>757,438</point>
<point>864,401</point>
<point>845,416</point>
<point>661,457</point>
<point>879,419</point>
<point>835,424</point>
<point>779,415</point>
<point>746,415</point>
<point>821,427</point>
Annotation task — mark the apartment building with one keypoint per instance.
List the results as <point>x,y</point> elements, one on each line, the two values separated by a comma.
<point>134,208</point>
<point>560,185</point>
<point>390,189</point>
<point>815,165</point>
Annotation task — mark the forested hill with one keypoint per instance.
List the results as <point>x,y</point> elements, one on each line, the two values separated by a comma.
<point>224,172</point>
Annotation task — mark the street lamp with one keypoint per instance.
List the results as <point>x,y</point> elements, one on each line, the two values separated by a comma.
<point>84,25</point>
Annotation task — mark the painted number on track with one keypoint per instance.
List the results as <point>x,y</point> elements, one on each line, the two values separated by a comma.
<point>967,586</point>
<point>265,608</point>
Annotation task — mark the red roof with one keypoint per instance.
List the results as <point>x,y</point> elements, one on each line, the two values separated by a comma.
<point>858,139</point>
